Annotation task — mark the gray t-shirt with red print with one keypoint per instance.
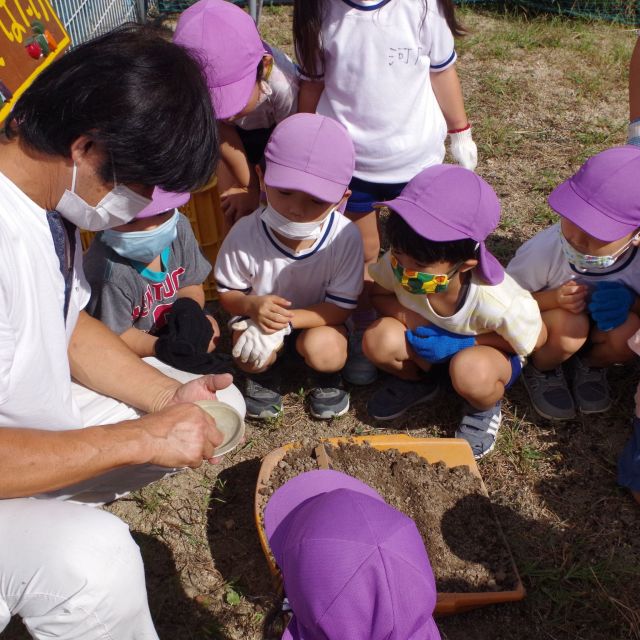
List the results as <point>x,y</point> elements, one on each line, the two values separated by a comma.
<point>123,296</point>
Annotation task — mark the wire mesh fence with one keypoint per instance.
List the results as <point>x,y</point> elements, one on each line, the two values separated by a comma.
<point>622,11</point>
<point>85,19</point>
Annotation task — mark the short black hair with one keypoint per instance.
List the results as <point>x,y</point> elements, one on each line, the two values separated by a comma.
<point>404,239</point>
<point>144,101</point>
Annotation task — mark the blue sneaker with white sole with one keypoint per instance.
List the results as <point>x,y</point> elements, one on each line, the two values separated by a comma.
<point>480,428</point>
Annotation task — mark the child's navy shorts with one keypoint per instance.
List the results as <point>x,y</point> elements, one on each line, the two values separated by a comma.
<point>364,194</point>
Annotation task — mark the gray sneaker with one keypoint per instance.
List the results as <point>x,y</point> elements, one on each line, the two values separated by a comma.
<point>399,395</point>
<point>262,397</point>
<point>589,386</point>
<point>328,399</point>
<point>549,393</point>
<point>480,428</point>
<point>358,370</point>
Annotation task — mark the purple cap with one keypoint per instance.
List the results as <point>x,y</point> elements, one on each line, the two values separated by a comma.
<point>447,202</point>
<point>353,566</point>
<point>311,153</point>
<point>163,201</point>
<point>228,40</point>
<point>603,197</point>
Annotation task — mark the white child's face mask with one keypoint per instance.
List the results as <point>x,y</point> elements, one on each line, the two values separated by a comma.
<point>586,262</point>
<point>289,228</point>
<point>119,206</point>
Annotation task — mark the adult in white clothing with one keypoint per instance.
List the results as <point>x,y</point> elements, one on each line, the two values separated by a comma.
<point>84,146</point>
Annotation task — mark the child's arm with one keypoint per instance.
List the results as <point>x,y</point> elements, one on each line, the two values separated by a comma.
<point>386,304</point>
<point>570,296</point>
<point>143,344</point>
<point>309,95</point>
<point>269,312</point>
<point>319,315</point>
<point>238,182</point>
<point>448,92</point>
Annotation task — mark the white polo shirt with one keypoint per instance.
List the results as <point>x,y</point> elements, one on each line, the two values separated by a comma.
<point>35,381</point>
<point>377,60</point>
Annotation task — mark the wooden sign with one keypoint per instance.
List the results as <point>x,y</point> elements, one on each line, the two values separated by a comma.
<point>31,38</point>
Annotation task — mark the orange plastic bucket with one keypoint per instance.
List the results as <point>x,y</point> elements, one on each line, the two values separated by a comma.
<point>453,452</point>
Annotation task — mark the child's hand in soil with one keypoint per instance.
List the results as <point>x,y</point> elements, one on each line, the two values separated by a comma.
<point>435,344</point>
<point>572,296</point>
<point>270,313</point>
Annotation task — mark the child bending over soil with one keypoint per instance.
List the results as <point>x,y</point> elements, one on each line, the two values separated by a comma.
<point>584,273</point>
<point>292,269</point>
<point>445,298</point>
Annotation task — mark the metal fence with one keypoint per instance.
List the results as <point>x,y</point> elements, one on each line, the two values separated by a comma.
<point>85,19</point>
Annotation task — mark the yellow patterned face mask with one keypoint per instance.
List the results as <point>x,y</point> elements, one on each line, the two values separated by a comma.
<point>420,283</point>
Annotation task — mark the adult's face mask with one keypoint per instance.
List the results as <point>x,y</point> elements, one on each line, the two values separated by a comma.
<point>586,262</point>
<point>119,206</point>
<point>289,228</point>
<point>142,246</point>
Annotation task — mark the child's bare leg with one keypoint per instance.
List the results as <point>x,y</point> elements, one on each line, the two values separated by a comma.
<point>324,349</point>
<point>610,347</point>
<point>479,375</point>
<point>567,332</point>
<point>385,344</point>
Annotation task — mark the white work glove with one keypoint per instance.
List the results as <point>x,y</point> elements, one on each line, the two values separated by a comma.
<point>633,133</point>
<point>463,149</point>
<point>254,346</point>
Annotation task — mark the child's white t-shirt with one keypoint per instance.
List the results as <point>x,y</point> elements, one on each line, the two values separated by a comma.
<point>505,308</point>
<point>278,97</point>
<point>377,60</point>
<point>540,264</point>
<point>252,260</point>
<point>35,378</point>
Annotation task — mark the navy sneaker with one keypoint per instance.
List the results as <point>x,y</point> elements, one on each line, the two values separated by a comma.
<point>480,428</point>
<point>398,395</point>
<point>328,399</point>
<point>262,395</point>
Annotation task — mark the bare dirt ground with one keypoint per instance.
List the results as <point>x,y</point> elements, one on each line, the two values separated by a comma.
<point>543,94</point>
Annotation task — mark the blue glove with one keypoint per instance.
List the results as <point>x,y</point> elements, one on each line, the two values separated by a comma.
<point>610,304</point>
<point>435,344</point>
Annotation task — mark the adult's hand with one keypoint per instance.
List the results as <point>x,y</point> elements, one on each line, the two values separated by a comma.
<point>181,435</point>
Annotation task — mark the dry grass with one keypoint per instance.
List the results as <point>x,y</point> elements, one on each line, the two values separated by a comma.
<point>543,94</point>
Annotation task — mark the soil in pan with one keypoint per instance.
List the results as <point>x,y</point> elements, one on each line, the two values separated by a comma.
<point>455,518</point>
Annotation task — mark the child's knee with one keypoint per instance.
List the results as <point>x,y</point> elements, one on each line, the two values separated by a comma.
<point>472,374</point>
<point>567,331</point>
<point>323,348</point>
<point>384,341</point>
<point>617,340</point>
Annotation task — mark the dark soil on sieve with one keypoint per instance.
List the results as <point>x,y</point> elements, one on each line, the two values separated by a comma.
<point>466,548</point>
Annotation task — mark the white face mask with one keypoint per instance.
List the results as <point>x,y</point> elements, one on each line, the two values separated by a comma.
<point>119,206</point>
<point>290,229</point>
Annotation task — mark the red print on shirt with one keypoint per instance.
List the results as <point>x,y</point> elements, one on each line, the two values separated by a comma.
<point>155,293</point>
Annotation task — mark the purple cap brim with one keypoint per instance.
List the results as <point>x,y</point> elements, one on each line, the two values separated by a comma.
<point>433,228</point>
<point>305,486</point>
<point>231,99</point>
<point>568,203</point>
<point>283,177</point>
<point>163,201</point>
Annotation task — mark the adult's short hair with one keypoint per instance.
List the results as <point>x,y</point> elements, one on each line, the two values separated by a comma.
<point>142,99</point>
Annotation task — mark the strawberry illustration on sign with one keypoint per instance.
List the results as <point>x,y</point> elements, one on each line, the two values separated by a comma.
<point>34,50</point>
<point>41,43</point>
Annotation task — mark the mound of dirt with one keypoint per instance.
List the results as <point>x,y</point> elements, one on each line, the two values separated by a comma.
<point>454,516</point>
